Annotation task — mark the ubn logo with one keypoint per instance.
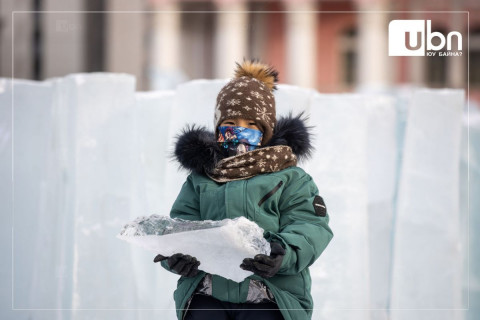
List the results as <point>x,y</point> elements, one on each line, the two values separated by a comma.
<point>409,38</point>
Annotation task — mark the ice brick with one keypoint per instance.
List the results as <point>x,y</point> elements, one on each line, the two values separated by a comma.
<point>427,261</point>
<point>339,168</point>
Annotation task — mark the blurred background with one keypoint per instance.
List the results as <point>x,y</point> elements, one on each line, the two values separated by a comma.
<point>167,42</point>
<point>101,88</point>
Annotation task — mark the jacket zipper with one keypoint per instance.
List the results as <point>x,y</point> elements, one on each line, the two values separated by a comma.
<point>245,210</point>
<point>271,193</point>
<point>188,306</point>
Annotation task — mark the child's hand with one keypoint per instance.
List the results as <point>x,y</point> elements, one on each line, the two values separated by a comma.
<point>263,265</point>
<point>184,265</point>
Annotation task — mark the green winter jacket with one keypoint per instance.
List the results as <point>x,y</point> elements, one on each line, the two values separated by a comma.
<point>288,215</point>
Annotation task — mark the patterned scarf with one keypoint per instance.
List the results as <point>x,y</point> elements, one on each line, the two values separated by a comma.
<point>252,163</point>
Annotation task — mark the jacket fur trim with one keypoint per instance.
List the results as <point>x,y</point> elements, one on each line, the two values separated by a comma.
<point>196,148</point>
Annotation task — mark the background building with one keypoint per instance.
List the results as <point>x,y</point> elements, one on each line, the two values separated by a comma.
<point>332,46</point>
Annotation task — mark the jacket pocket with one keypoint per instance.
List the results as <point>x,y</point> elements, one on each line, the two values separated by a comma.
<point>270,193</point>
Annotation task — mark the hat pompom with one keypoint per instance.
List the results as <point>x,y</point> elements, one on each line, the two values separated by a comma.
<point>262,72</point>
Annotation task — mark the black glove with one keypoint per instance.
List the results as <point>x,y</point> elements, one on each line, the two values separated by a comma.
<point>263,265</point>
<point>184,265</point>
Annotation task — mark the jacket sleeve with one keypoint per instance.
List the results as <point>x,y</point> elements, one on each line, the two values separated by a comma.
<point>186,206</point>
<point>304,231</point>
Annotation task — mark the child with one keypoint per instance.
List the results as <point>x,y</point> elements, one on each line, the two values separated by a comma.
<point>248,168</point>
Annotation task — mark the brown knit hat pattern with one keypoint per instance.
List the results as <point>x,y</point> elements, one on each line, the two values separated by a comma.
<point>249,95</point>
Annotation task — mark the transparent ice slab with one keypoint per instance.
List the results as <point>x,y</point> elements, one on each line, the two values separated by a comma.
<point>220,246</point>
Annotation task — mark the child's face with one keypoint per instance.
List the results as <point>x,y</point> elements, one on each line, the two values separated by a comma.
<point>240,122</point>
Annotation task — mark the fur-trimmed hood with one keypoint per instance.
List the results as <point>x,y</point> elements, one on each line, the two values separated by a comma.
<point>196,148</point>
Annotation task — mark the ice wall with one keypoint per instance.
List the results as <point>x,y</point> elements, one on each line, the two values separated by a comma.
<point>469,210</point>
<point>358,185</point>
<point>193,103</point>
<point>90,153</point>
<point>427,258</point>
<point>41,231</point>
<point>6,203</point>
<point>341,176</point>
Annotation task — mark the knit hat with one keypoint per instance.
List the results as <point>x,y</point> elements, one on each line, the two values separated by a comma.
<point>249,95</point>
